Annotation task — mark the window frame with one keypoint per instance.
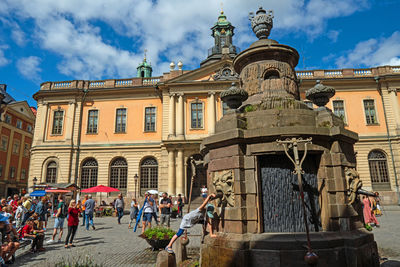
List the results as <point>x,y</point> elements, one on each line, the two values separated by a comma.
<point>116,120</point>
<point>29,128</point>
<point>23,177</point>
<point>16,141</point>
<point>344,109</point>
<point>379,171</point>
<point>26,150</point>
<point>191,113</point>
<point>1,170</point>
<point>62,122</point>
<point>19,124</point>
<point>155,119</point>
<point>121,172</point>
<point>222,108</point>
<point>54,171</point>
<point>365,114</point>
<point>12,172</point>
<point>88,122</point>
<point>8,118</point>
<point>4,137</point>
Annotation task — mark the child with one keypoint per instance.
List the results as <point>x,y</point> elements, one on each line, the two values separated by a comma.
<point>190,219</point>
<point>134,211</point>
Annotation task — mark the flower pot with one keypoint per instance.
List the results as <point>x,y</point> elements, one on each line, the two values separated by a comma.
<point>158,244</point>
<point>174,214</point>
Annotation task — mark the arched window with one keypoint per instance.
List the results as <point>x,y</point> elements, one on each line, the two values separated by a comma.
<point>89,173</point>
<point>119,174</point>
<point>272,74</point>
<point>51,172</point>
<point>148,175</point>
<point>378,170</point>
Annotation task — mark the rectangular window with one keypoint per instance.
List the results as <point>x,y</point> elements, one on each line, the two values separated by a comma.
<point>8,119</point>
<point>29,128</point>
<point>150,119</point>
<point>26,150</point>
<point>370,113</point>
<point>197,115</point>
<point>23,174</point>
<point>4,143</point>
<point>338,109</point>
<point>19,124</point>
<point>225,108</point>
<point>12,172</point>
<point>1,170</point>
<point>120,121</point>
<point>92,121</point>
<point>16,147</point>
<point>58,122</point>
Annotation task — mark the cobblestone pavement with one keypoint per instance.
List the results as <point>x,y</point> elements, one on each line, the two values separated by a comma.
<point>109,245</point>
<point>388,235</point>
<point>116,245</point>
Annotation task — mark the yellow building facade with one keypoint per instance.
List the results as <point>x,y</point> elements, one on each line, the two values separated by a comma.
<point>111,131</point>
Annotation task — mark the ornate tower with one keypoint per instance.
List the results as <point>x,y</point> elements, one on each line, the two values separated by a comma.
<point>144,69</point>
<point>222,32</point>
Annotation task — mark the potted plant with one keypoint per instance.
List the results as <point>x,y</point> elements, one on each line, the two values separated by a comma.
<point>174,212</point>
<point>158,237</point>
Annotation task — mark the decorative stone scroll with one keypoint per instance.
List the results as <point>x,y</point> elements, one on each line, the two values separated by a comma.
<point>226,73</point>
<point>354,184</point>
<point>223,182</point>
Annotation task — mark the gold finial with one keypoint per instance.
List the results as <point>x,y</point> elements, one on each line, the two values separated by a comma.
<point>145,51</point>
<point>222,8</point>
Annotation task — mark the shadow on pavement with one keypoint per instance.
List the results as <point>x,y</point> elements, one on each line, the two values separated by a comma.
<point>391,263</point>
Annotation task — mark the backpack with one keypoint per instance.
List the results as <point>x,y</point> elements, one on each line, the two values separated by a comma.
<point>64,211</point>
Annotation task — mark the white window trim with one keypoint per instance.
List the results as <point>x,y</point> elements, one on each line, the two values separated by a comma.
<point>16,125</point>
<point>346,122</point>
<point>376,112</point>
<point>115,120</point>
<point>144,119</point>
<point>52,122</point>
<point>98,116</point>
<point>190,114</point>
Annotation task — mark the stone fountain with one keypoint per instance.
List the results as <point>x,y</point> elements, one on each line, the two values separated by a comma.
<point>285,174</point>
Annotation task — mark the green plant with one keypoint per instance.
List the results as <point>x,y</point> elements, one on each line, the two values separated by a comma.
<point>249,108</point>
<point>174,209</point>
<point>159,233</point>
<point>78,262</point>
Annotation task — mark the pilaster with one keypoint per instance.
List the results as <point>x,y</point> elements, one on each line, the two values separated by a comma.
<point>180,118</point>
<point>171,172</point>
<point>171,119</point>
<point>211,112</point>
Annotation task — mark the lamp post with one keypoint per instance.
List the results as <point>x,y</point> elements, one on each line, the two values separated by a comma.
<point>136,177</point>
<point>34,183</point>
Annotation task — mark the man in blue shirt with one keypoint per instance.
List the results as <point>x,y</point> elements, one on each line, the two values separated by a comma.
<point>89,209</point>
<point>147,211</point>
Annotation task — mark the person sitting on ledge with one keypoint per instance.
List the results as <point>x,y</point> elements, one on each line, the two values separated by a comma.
<point>194,217</point>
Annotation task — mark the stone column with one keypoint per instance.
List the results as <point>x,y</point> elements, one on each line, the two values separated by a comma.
<point>171,172</point>
<point>211,113</point>
<point>40,127</point>
<point>171,126</point>
<point>179,172</point>
<point>70,120</point>
<point>395,104</point>
<point>180,117</point>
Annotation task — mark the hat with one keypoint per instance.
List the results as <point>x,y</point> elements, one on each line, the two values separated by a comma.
<point>3,218</point>
<point>210,210</point>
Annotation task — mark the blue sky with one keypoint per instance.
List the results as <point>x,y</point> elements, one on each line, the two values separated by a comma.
<point>47,40</point>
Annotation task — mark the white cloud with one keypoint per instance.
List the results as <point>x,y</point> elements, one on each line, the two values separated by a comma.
<point>333,35</point>
<point>169,30</point>
<point>3,59</point>
<point>373,52</point>
<point>29,68</point>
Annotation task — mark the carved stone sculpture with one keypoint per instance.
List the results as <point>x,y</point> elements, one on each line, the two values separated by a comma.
<point>223,183</point>
<point>261,23</point>
<point>227,73</point>
<point>354,184</point>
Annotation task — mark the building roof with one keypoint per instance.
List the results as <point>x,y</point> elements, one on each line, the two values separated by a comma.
<point>7,98</point>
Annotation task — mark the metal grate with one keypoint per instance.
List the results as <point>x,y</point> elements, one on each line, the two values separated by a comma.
<point>148,175</point>
<point>378,167</point>
<point>89,174</point>
<point>51,173</point>
<point>119,174</point>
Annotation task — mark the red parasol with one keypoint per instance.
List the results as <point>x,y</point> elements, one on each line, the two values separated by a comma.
<point>100,188</point>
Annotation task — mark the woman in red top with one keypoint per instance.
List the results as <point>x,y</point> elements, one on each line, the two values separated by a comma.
<point>73,222</point>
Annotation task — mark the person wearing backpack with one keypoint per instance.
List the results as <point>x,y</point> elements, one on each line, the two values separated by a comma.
<point>61,214</point>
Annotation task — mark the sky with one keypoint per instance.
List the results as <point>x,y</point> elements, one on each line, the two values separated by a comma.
<point>48,40</point>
